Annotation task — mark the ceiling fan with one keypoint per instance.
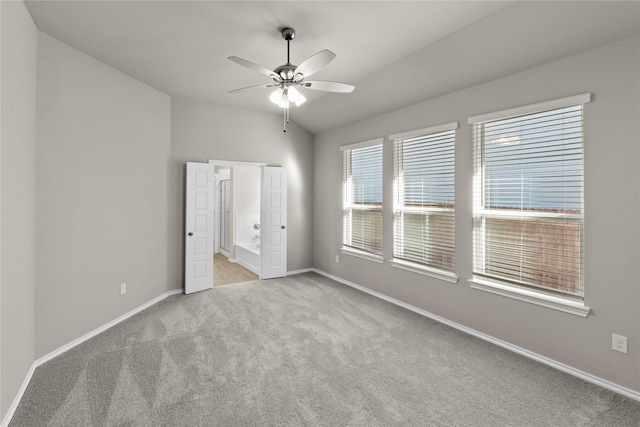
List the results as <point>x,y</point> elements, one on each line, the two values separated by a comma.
<point>288,78</point>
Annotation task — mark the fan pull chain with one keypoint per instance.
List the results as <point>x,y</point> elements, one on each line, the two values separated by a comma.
<point>285,120</point>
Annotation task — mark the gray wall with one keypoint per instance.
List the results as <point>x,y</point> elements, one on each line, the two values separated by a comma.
<point>100,157</point>
<point>200,132</point>
<point>102,202</point>
<point>17,201</point>
<point>245,181</point>
<point>611,213</point>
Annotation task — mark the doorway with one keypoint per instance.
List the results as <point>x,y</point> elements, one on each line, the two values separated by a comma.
<point>237,224</point>
<point>269,228</point>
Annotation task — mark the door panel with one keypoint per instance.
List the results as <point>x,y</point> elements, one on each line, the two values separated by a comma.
<point>198,263</point>
<point>273,236</point>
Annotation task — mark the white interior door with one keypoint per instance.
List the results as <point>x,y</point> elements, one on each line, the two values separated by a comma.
<point>198,263</point>
<point>273,218</point>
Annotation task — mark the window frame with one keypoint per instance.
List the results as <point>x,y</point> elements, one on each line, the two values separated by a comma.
<point>400,207</point>
<point>573,304</point>
<point>349,207</point>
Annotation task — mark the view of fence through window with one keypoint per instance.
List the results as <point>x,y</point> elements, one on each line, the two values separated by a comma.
<point>528,201</point>
<point>424,199</point>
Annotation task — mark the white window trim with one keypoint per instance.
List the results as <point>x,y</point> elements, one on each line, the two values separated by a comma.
<point>347,250</point>
<point>544,299</point>
<point>408,265</point>
<point>496,213</point>
<point>362,254</point>
<point>362,144</point>
<point>425,131</point>
<point>541,298</point>
<point>423,269</point>
<point>569,101</point>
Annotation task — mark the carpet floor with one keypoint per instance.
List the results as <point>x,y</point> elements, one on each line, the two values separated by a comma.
<point>303,351</point>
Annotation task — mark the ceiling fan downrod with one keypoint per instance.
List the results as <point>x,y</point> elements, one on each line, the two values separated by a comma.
<point>288,34</point>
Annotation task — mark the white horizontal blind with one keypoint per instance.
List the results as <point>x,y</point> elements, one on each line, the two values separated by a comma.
<point>424,200</point>
<point>528,222</point>
<point>362,198</point>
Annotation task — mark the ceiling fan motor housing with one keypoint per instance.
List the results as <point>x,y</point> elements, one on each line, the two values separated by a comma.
<point>286,72</point>
<point>288,33</point>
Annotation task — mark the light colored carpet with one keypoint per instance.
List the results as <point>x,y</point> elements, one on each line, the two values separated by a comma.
<point>303,351</point>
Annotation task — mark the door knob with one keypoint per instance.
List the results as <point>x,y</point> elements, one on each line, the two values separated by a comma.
<point>283,227</point>
<point>190,234</point>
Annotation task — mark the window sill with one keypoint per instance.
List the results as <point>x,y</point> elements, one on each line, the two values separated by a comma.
<point>362,254</point>
<point>427,271</point>
<point>566,305</point>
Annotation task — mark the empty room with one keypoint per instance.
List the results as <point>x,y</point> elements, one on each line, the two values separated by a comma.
<point>319,213</point>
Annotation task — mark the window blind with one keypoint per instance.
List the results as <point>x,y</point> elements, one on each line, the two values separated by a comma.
<point>528,222</point>
<point>424,199</point>
<point>362,197</point>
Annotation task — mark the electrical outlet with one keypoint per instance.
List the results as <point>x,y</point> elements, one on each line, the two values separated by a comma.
<point>337,259</point>
<point>619,343</point>
<point>123,288</point>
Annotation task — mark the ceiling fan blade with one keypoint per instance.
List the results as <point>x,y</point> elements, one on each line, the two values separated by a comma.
<point>242,89</point>
<point>315,63</point>
<point>328,86</point>
<point>255,67</point>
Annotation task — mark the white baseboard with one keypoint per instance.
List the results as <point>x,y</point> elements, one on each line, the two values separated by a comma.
<point>633,394</point>
<point>14,405</point>
<point>44,359</point>
<point>303,270</point>
<point>251,268</point>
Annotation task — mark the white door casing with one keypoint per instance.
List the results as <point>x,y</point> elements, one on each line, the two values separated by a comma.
<point>198,263</point>
<point>273,218</point>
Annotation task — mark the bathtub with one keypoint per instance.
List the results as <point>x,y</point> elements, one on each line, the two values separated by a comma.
<point>248,255</point>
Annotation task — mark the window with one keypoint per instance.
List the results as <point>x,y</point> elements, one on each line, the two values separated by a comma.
<point>424,198</point>
<point>528,216</point>
<point>362,199</point>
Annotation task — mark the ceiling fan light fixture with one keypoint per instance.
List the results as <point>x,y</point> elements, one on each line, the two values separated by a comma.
<point>295,96</point>
<point>284,101</point>
<point>276,96</point>
<point>301,100</point>
<point>287,76</point>
<point>292,94</point>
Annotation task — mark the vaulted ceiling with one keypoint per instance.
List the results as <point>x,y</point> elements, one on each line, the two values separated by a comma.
<point>396,53</point>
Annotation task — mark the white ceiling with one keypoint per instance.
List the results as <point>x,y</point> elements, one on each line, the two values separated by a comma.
<point>396,53</point>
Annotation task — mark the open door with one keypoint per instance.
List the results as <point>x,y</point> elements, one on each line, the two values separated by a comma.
<point>273,216</point>
<point>198,262</point>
